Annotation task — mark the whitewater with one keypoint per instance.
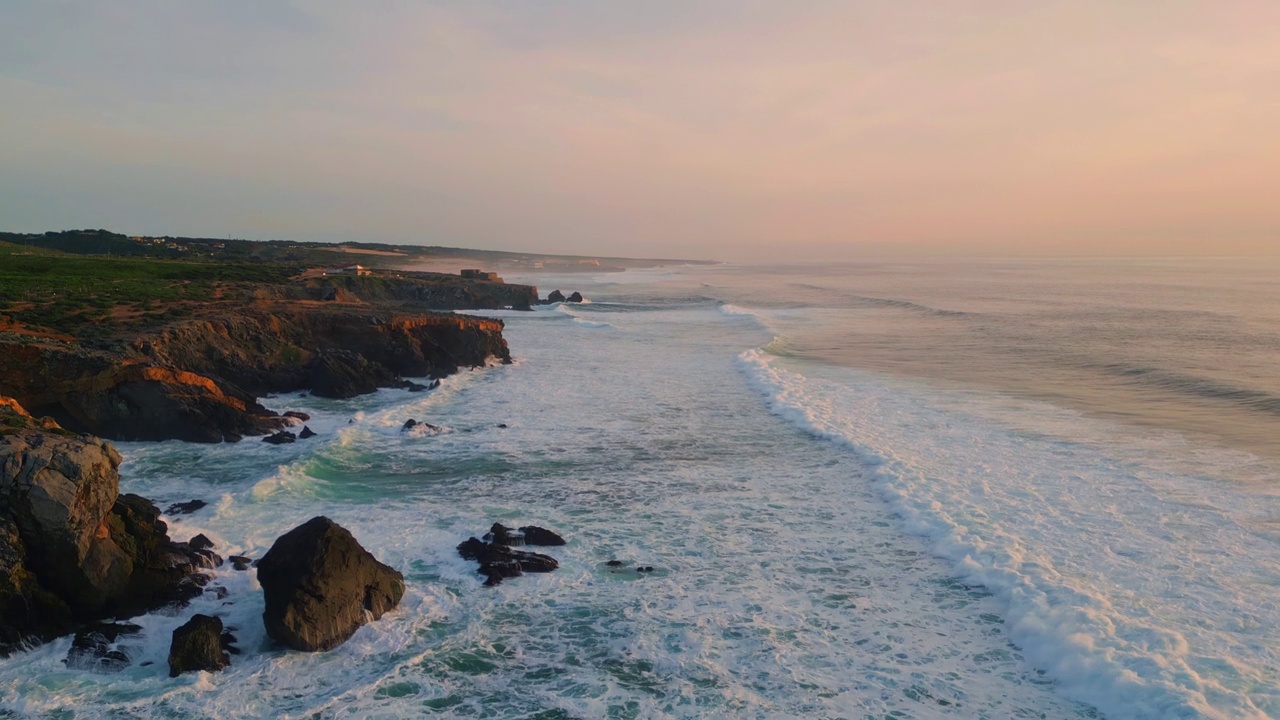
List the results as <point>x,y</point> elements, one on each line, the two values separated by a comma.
<point>867,491</point>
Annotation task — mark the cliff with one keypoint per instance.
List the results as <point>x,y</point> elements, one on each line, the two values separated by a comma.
<point>426,291</point>
<point>72,549</point>
<point>198,379</point>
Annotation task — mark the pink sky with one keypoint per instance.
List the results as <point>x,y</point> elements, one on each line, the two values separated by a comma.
<point>732,130</point>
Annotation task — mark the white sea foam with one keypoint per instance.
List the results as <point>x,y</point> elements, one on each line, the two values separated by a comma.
<point>784,588</point>
<point>1104,581</point>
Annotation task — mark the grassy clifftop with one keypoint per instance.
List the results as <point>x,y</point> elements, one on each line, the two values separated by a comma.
<point>74,294</point>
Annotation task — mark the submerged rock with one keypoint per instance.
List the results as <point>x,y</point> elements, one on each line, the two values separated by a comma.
<point>280,438</point>
<point>500,561</point>
<point>306,433</point>
<point>240,562</point>
<point>319,584</point>
<point>185,508</point>
<point>410,424</point>
<point>96,648</point>
<point>198,645</point>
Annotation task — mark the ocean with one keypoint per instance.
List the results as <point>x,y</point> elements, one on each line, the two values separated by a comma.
<point>982,489</point>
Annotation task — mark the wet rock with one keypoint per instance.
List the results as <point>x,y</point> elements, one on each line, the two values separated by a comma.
<point>229,641</point>
<point>614,563</point>
<point>502,535</point>
<point>201,551</point>
<point>644,569</point>
<point>240,562</point>
<point>295,414</point>
<point>97,648</point>
<point>280,438</point>
<point>411,424</point>
<point>534,535</point>
<point>219,592</point>
<point>500,561</point>
<point>319,584</point>
<point>197,645</point>
<point>555,296</point>
<point>185,508</point>
<point>306,433</point>
<point>72,550</point>
<point>502,426</point>
<point>576,297</point>
<point>412,386</point>
<point>434,384</point>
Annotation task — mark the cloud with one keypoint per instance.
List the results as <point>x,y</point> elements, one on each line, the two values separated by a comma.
<point>704,128</point>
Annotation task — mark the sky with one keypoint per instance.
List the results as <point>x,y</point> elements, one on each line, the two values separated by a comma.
<point>725,129</point>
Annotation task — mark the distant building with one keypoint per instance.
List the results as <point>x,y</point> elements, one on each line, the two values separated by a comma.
<point>481,275</point>
<point>349,270</point>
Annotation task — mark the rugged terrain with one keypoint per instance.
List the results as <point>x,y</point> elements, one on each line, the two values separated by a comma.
<point>72,548</point>
<point>148,349</point>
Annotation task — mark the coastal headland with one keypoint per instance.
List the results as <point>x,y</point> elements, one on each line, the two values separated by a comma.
<point>141,348</point>
<point>109,337</point>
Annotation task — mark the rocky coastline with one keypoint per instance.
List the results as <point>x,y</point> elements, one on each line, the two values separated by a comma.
<point>199,380</point>
<point>73,550</point>
<point>77,556</point>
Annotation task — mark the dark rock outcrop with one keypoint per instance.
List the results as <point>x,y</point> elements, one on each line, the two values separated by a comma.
<point>410,424</point>
<point>72,550</point>
<point>319,583</point>
<point>240,562</point>
<point>527,535</point>
<point>296,415</point>
<point>555,296</point>
<point>99,648</point>
<point>576,297</point>
<point>198,645</point>
<point>281,438</point>
<point>306,433</point>
<point>185,508</point>
<point>500,561</point>
<point>534,535</point>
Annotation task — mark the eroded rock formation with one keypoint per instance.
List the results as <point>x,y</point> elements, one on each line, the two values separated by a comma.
<point>198,379</point>
<point>72,549</point>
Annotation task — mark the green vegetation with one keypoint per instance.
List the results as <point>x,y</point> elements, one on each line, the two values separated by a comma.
<point>57,291</point>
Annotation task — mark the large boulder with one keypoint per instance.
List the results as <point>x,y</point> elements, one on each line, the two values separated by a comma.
<point>320,585</point>
<point>198,645</point>
<point>555,296</point>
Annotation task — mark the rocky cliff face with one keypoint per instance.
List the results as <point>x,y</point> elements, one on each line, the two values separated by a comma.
<point>71,548</point>
<point>426,291</point>
<point>197,380</point>
<point>283,351</point>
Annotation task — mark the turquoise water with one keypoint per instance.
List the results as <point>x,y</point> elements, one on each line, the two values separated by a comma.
<point>836,533</point>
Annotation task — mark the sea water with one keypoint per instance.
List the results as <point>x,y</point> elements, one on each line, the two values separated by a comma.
<point>883,490</point>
